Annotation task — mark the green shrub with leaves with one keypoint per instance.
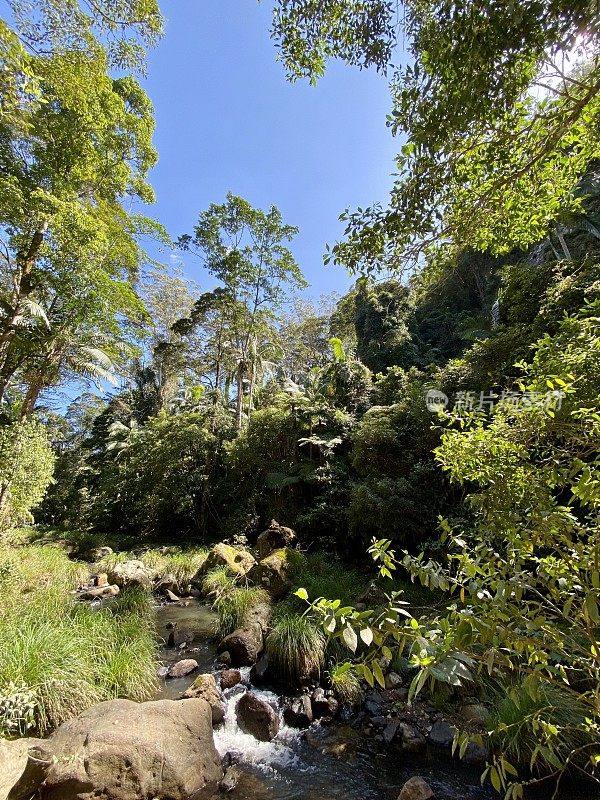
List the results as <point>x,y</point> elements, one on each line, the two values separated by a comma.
<point>26,467</point>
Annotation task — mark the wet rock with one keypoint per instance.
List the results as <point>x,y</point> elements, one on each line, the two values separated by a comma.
<point>259,674</point>
<point>476,755</point>
<point>162,671</point>
<point>98,592</point>
<point>182,668</point>
<point>411,739</point>
<point>236,559</point>
<point>416,788</point>
<point>257,717</point>
<point>272,573</point>
<point>379,721</point>
<point>373,708</point>
<point>172,597</point>
<point>230,780</point>
<point>230,678</point>
<point>298,714</point>
<point>178,636</point>
<point>131,573</point>
<point>224,659</point>
<point>275,537</point>
<point>324,705</point>
<point>441,734</point>
<point>389,732</point>
<point>95,554</point>
<point>205,687</point>
<point>121,750</point>
<point>24,765</point>
<point>231,758</point>
<point>244,645</point>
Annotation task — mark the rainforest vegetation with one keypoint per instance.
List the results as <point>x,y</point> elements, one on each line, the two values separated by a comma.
<point>438,424</point>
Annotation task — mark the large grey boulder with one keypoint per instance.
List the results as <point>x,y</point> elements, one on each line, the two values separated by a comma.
<point>257,717</point>
<point>121,750</point>
<point>131,573</point>
<point>275,537</point>
<point>244,645</point>
<point>24,764</point>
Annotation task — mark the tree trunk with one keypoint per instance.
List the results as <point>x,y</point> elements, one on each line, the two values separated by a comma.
<point>239,405</point>
<point>23,288</point>
<point>563,244</point>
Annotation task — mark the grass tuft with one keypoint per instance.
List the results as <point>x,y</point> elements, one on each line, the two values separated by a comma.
<point>235,607</point>
<point>296,648</point>
<point>345,683</point>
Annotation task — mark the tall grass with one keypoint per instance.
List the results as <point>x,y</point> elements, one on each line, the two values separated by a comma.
<point>65,655</point>
<point>217,582</point>
<point>235,607</point>
<point>296,648</point>
<point>345,683</point>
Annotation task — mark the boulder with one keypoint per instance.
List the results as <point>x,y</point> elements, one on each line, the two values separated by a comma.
<point>275,537</point>
<point>101,579</point>
<point>261,614</point>
<point>324,705</point>
<point>236,559</point>
<point>230,779</point>
<point>412,740</point>
<point>390,731</point>
<point>272,573</point>
<point>96,554</point>
<point>24,764</point>
<point>298,714</point>
<point>441,734</point>
<point>205,687</point>
<point>244,645</point>
<point>475,712</point>
<point>230,678</point>
<point>95,592</point>
<point>257,717</point>
<point>416,788</point>
<point>182,668</point>
<point>259,674</point>
<point>131,573</point>
<point>121,750</point>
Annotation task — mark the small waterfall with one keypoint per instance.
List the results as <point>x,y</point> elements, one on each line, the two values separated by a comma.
<point>230,738</point>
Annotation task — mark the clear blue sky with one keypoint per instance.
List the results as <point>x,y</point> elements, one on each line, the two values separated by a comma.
<point>227,119</point>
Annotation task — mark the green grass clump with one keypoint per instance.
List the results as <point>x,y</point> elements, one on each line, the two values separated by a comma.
<point>519,721</point>
<point>217,582</point>
<point>63,655</point>
<point>345,683</point>
<point>296,648</point>
<point>235,607</point>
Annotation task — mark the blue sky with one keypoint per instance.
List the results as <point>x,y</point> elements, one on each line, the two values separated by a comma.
<point>227,119</point>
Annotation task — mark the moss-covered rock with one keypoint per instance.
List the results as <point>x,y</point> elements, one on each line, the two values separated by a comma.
<point>237,560</point>
<point>273,573</point>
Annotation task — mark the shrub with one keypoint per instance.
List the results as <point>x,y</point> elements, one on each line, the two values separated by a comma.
<point>296,648</point>
<point>26,467</point>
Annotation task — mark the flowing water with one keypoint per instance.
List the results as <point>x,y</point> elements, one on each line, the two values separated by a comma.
<point>326,762</point>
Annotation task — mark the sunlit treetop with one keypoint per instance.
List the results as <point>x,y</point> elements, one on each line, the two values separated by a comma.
<point>125,27</point>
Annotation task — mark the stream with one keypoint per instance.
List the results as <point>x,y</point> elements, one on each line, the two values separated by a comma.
<point>326,762</point>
